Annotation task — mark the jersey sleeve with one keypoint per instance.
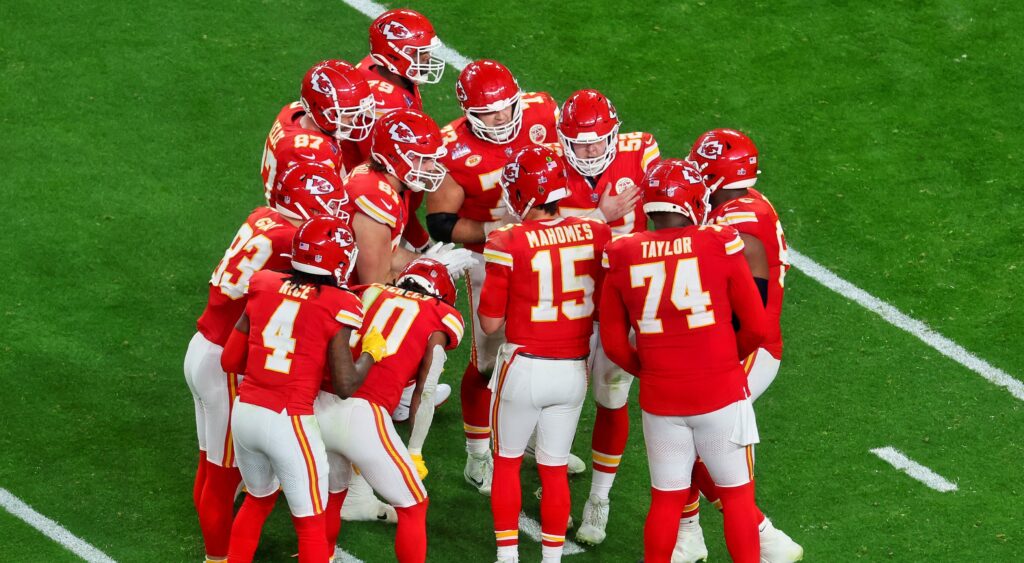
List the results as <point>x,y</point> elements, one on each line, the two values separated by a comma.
<point>453,326</point>
<point>743,220</point>
<point>730,238</point>
<point>651,152</point>
<point>376,203</point>
<point>349,311</point>
<point>498,259</point>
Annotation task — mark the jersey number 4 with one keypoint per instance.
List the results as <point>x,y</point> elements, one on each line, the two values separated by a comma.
<point>578,308</point>
<point>277,336</point>
<point>686,294</point>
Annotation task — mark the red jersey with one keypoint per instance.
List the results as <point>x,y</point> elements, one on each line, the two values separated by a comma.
<point>289,142</point>
<point>754,215</point>
<point>290,328</point>
<point>677,288</point>
<point>262,243</point>
<point>370,193</point>
<point>542,277</point>
<point>388,95</point>
<point>635,152</point>
<point>476,164</point>
<point>406,320</point>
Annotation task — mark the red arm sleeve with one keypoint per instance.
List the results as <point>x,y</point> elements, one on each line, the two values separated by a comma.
<point>746,305</point>
<point>614,327</point>
<point>236,351</point>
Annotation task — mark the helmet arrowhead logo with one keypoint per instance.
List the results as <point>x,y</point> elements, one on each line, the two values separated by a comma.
<point>322,84</point>
<point>396,31</point>
<point>692,176</point>
<point>710,149</point>
<point>318,185</point>
<point>402,133</point>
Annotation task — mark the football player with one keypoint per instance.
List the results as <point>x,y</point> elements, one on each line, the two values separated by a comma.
<point>541,279</point>
<point>296,324</point>
<point>418,321</point>
<point>678,287</point>
<point>499,119</point>
<point>261,243</point>
<point>406,145</point>
<point>605,169</point>
<point>402,56</point>
<point>335,105</point>
<point>729,161</point>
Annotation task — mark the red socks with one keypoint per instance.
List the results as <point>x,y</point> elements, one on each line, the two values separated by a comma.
<point>245,532</point>
<point>200,482</point>
<point>662,525</point>
<point>554,508</point>
<point>506,500</point>
<point>312,542</point>
<point>476,406</point>
<point>217,507</point>
<point>332,518</point>
<point>701,483</point>
<point>411,536</point>
<point>741,520</point>
<point>611,431</point>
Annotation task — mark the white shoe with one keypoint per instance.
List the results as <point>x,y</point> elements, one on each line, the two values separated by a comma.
<point>595,519</point>
<point>402,411</point>
<point>576,465</point>
<point>507,560</point>
<point>479,472</point>
<point>362,505</point>
<point>776,546</point>
<point>441,394</point>
<point>690,546</point>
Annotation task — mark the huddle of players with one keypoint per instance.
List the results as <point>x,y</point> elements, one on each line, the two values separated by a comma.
<point>323,301</point>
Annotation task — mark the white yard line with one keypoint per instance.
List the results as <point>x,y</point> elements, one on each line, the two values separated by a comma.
<point>892,315</point>
<point>895,317</point>
<point>51,529</point>
<point>531,528</point>
<point>342,556</point>
<point>931,479</point>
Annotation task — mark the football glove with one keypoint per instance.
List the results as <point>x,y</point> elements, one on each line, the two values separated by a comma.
<point>374,344</point>
<point>421,467</point>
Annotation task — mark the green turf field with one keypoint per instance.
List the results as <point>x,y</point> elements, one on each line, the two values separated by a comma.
<point>891,145</point>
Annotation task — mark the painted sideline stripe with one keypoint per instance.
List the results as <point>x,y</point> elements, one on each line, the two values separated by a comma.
<point>51,529</point>
<point>894,316</point>
<point>900,461</point>
<point>531,528</point>
<point>342,556</point>
<point>822,275</point>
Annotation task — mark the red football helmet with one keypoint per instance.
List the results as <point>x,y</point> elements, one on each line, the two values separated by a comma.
<point>533,176</point>
<point>432,276</point>
<point>487,86</point>
<point>675,185</point>
<point>325,246</point>
<point>337,98</point>
<point>308,189</point>
<point>403,41</point>
<point>588,118</point>
<point>727,158</point>
<point>407,143</point>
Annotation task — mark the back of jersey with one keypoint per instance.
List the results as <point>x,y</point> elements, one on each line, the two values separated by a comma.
<point>290,327</point>
<point>542,277</point>
<point>406,320</point>
<point>674,284</point>
<point>262,243</point>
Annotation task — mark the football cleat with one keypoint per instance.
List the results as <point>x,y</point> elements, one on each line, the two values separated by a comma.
<point>479,472</point>
<point>441,394</point>
<point>575,465</point>
<point>690,546</point>
<point>776,546</point>
<point>361,505</point>
<point>595,519</point>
